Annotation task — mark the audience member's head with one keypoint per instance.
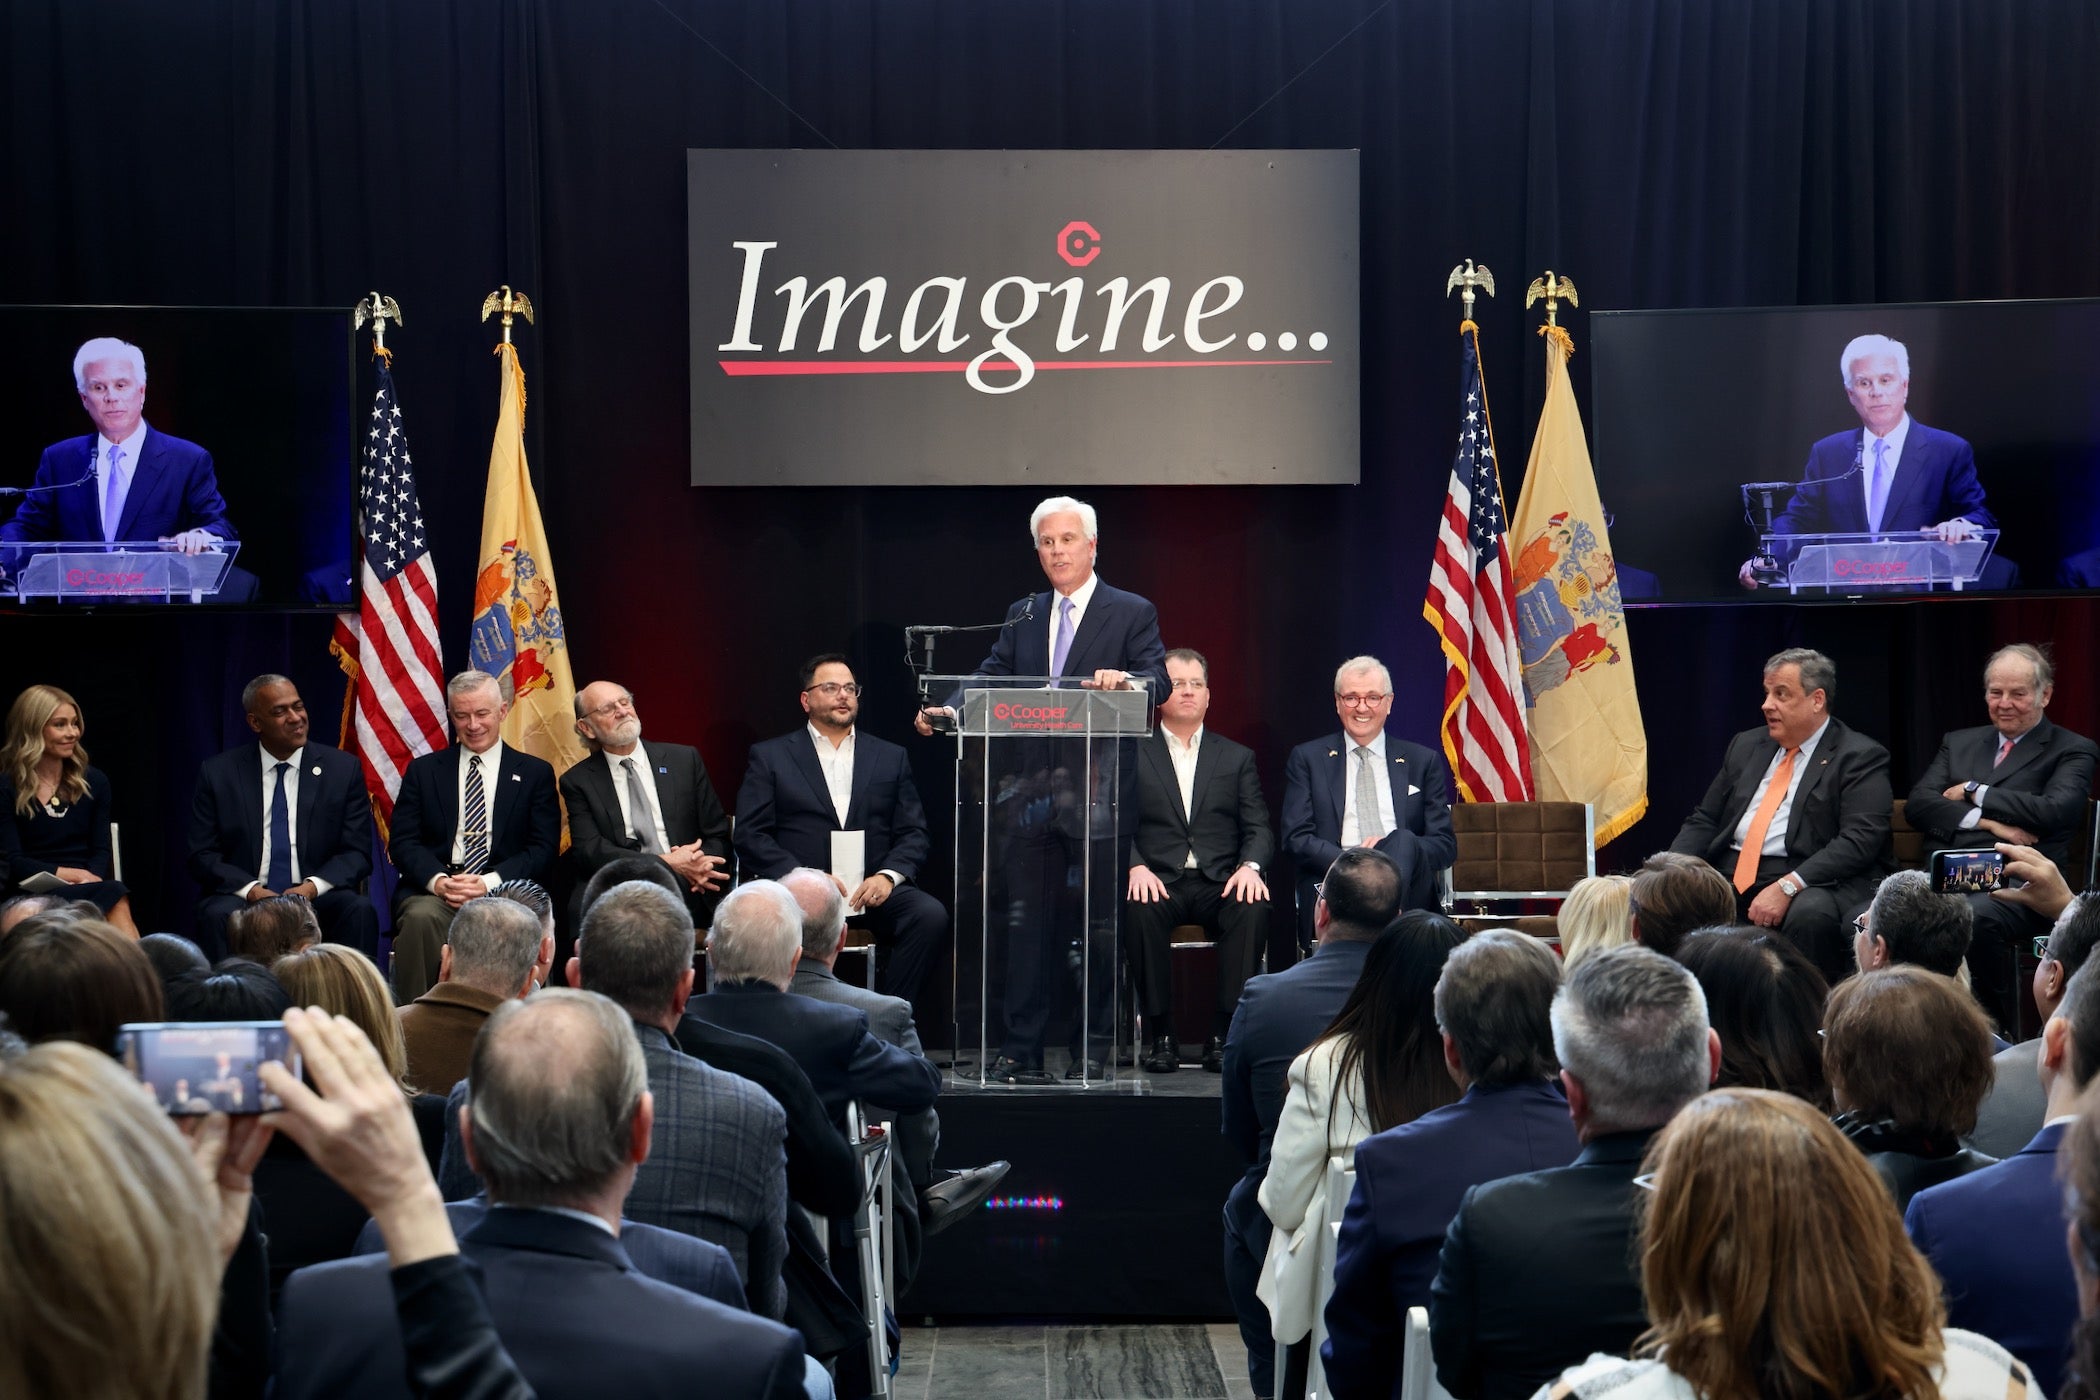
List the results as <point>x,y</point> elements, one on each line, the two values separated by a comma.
<point>1764,997</point>
<point>1359,897</point>
<point>1630,1031</point>
<point>1593,917</point>
<point>109,1277</point>
<point>2070,1051</point>
<point>1774,1260</point>
<point>1908,923</point>
<point>44,720</point>
<point>823,912</point>
<point>344,982</point>
<point>1673,894</point>
<point>757,935</point>
<point>1494,1004</point>
<point>266,929</point>
<point>623,869</point>
<point>636,946</point>
<point>493,946</point>
<point>2076,930</point>
<point>1907,1047</point>
<point>533,895</point>
<point>74,979</point>
<point>2081,1174</point>
<point>567,1140</point>
<point>16,908</point>
<point>233,990</point>
<point>172,956</point>
<point>1390,1023</point>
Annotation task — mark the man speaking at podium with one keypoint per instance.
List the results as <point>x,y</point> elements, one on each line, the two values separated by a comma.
<point>1893,474</point>
<point>1105,639</point>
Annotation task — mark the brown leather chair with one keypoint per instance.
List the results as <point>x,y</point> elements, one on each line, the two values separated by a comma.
<point>1516,854</point>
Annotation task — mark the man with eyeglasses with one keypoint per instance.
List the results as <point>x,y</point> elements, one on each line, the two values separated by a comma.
<point>2013,1113</point>
<point>627,799</point>
<point>1366,786</point>
<point>834,799</point>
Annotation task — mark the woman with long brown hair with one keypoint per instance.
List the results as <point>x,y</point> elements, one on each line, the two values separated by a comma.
<point>59,804</point>
<point>1776,1268</point>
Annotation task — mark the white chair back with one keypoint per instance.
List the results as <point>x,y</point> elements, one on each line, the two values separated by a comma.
<point>1341,1181</point>
<point>1417,1369</point>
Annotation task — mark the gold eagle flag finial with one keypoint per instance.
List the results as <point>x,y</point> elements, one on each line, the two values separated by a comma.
<point>510,303</point>
<point>378,309</point>
<point>1554,290</point>
<point>1468,277</point>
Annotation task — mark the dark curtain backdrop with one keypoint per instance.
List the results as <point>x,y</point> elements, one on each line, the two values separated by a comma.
<point>1662,153</point>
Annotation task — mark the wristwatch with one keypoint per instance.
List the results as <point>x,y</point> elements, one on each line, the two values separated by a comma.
<point>1789,886</point>
<point>1968,790</point>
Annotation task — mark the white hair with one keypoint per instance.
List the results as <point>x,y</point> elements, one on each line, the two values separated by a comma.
<point>1057,505</point>
<point>105,347</point>
<point>1357,665</point>
<point>756,934</point>
<point>1862,346</point>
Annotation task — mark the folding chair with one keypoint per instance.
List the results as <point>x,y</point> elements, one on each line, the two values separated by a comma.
<point>1341,1181</point>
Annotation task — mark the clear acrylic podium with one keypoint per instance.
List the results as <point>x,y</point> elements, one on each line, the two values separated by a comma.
<point>1045,796</point>
<point>92,571</point>
<point>1849,563</point>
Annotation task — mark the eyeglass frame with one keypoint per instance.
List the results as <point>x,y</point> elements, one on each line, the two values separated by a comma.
<point>1362,702</point>
<point>852,688</point>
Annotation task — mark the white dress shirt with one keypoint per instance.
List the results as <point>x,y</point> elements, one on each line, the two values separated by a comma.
<point>1975,813</point>
<point>1184,760</point>
<point>1352,834</point>
<point>127,477</point>
<point>1775,834</point>
<point>655,814</point>
<point>291,811</point>
<point>837,762</point>
<point>1080,597</point>
<point>491,765</point>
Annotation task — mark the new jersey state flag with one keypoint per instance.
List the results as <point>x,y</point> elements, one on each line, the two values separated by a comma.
<point>1587,740</point>
<point>518,631</point>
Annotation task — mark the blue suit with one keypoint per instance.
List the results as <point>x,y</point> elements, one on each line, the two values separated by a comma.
<point>173,488</point>
<point>1410,1181</point>
<point>1120,632</point>
<point>1317,781</point>
<point>1935,481</point>
<point>1279,1015</point>
<point>785,818</point>
<point>570,1307</point>
<point>1996,1238</point>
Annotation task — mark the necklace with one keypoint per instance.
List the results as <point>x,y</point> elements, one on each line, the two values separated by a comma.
<point>52,803</point>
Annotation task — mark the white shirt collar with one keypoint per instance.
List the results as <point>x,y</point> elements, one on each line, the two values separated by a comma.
<point>1376,746</point>
<point>491,759</point>
<point>1898,435</point>
<point>270,761</point>
<point>1081,595</point>
<point>614,760</point>
<point>823,740</point>
<point>1195,739</point>
<point>132,446</point>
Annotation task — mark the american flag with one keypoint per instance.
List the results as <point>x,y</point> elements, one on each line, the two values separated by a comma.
<point>390,646</point>
<point>1470,590</point>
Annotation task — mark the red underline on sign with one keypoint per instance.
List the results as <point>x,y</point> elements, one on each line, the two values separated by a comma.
<point>738,369</point>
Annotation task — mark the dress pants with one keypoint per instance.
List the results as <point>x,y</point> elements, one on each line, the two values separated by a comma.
<point>1247,1231</point>
<point>911,926</point>
<point>1816,922</point>
<point>345,914</point>
<point>1192,898</point>
<point>1998,932</point>
<point>421,923</point>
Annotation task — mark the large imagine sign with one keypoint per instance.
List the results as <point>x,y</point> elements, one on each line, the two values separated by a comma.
<point>1046,318</point>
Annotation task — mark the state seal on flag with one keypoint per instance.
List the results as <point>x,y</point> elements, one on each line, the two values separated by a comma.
<point>1568,613</point>
<point>517,621</point>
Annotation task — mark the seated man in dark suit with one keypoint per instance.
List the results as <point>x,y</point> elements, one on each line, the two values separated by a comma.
<point>559,1152</point>
<point>1493,1004</point>
<point>1798,816</point>
<point>1203,840</point>
<point>1366,786</point>
<point>495,952</point>
<point>682,824</point>
<point>282,816</point>
<point>2015,1110</point>
<point>826,779</point>
<point>1996,1236</point>
<point>1279,1015</point>
<point>1538,1271</point>
<point>2018,779</point>
<point>468,818</point>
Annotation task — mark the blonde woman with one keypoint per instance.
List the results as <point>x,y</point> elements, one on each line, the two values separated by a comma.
<point>340,980</point>
<point>1594,917</point>
<point>60,806</point>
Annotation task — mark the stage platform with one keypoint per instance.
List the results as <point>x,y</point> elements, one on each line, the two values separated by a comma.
<point>1112,1209</point>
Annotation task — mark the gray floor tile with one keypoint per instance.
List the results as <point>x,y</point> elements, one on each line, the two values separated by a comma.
<point>1133,1363</point>
<point>987,1363</point>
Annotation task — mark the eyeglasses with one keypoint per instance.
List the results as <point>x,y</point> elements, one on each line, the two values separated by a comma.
<point>831,688</point>
<point>2041,948</point>
<point>1362,702</point>
<point>1859,924</point>
<point>1191,685</point>
<point>612,707</point>
<point>1646,1181</point>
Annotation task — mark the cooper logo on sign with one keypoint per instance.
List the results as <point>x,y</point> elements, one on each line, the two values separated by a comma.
<point>1010,317</point>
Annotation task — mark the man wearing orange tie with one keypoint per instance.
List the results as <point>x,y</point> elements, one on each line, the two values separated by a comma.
<point>1798,817</point>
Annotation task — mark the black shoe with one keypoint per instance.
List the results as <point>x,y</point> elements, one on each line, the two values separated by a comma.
<point>1008,1070</point>
<point>1164,1057</point>
<point>945,1202</point>
<point>1214,1055</point>
<point>1086,1069</point>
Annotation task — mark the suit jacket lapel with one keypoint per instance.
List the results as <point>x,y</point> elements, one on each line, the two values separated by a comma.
<point>145,476</point>
<point>1338,777</point>
<point>1206,770</point>
<point>805,750</point>
<point>597,782</point>
<point>1746,783</point>
<point>2028,751</point>
<point>857,798</point>
<point>1079,661</point>
<point>1909,484</point>
<point>309,794</point>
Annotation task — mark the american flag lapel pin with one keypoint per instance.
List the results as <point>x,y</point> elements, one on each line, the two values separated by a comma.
<point>516,779</point>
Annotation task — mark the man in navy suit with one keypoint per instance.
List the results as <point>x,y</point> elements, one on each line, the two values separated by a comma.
<point>828,778</point>
<point>1367,787</point>
<point>1493,1005</point>
<point>1892,475</point>
<point>2018,779</point>
<point>681,823</point>
<point>1996,1236</point>
<point>1279,1015</point>
<point>1105,639</point>
<point>468,818</point>
<point>282,816</point>
<point>559,1153</point>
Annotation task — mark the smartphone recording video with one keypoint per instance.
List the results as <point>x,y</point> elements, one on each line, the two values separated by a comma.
<point>1967,872</point>
<point>207,1067</point>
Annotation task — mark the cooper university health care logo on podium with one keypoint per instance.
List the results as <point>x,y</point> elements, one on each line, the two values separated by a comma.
<point>1568,613</point>
<point>517,622</point>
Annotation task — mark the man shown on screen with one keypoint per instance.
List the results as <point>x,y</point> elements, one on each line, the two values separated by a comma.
<point>124,481</point>
<point>1893,475</point>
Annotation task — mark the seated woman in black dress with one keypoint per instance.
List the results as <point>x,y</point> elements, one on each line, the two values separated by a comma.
<point>60,805</point>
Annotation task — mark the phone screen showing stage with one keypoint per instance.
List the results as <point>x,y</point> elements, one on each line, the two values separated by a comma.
<point>207,1067</point>
<point>1967,872</point>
